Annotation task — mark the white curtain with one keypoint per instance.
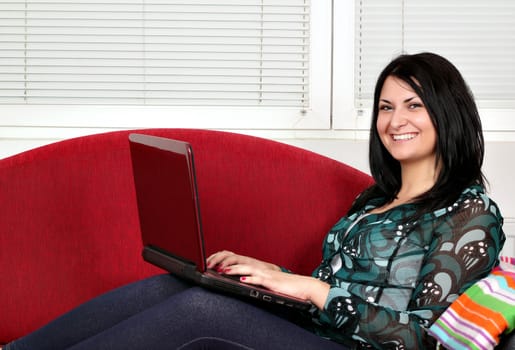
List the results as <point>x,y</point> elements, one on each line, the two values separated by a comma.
<point>155,52</point>
<point>477,36</point>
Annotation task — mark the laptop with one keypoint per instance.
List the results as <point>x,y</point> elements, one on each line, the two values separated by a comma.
<point>170,221</point>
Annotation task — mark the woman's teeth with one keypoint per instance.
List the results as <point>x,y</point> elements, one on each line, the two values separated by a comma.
<point>403,137</point>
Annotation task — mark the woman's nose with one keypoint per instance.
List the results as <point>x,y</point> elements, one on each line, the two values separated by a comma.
<point>398,119</point>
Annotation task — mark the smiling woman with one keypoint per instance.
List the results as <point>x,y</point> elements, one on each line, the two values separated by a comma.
<point>426,134</point>
<point>405,127</point>
<point>408,134</point>
<point>407,248</point>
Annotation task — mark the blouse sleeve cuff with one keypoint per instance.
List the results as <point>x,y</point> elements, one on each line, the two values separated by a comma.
<point>284,269</point>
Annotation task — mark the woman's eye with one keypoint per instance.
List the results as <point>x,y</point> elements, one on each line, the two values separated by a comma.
<point>385,108</point>
<point>415,105</point>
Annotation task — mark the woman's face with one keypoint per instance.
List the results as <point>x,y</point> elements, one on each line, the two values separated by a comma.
<point>404,125</point>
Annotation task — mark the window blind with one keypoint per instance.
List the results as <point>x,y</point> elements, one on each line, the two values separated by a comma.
<point>477,36</point>
<point>155,52</point>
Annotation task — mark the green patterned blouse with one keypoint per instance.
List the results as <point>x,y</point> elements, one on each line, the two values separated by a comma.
<point>391,277</point>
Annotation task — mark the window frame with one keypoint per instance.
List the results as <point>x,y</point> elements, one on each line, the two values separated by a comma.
<point>317,116</point>
<point>498,123</point>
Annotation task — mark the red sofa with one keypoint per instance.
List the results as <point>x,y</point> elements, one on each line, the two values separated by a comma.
<point>69,226</point>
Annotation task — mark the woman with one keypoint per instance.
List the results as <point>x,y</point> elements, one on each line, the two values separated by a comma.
<point>408,247</point>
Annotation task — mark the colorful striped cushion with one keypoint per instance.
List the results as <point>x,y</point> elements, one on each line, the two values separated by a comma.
<point>481,314</point>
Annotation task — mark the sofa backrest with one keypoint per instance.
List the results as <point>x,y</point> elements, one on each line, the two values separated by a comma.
<point>69,226</point>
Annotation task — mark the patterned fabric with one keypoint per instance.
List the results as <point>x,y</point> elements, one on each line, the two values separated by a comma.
<point>393,273</point>
<point>480,315</point>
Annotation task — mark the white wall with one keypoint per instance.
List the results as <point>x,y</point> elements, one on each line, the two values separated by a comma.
<point>498,167</point>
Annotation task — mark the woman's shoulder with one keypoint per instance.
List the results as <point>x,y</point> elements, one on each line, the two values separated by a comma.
<point>473,220</point>
<point>477,194</point>
<point>475,201</point>
<point>473,191</point>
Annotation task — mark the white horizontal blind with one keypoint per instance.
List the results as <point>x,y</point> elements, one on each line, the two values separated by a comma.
<point>477,36</point>
<point>155,52</point>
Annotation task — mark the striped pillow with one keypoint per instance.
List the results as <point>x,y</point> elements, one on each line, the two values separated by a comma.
<point>480,315</point>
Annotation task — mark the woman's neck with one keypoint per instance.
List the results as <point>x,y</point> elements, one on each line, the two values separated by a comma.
<point>416,179</point>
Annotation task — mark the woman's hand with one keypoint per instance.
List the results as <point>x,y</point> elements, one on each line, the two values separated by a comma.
<point>225,259</point>
<point>270,276</point>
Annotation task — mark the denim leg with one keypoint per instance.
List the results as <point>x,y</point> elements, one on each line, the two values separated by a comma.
<point>200,319</point>
<point>100,314</point>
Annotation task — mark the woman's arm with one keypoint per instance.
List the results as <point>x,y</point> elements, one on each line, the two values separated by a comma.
<point>257,272</point>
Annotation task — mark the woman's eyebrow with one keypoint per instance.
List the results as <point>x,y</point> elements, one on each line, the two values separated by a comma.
<point>410,99</point>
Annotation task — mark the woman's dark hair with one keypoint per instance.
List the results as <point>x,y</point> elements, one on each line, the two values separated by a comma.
<point>459,145</point>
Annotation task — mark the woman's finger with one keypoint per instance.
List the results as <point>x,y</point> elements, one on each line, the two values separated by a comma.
<point>217,258</point>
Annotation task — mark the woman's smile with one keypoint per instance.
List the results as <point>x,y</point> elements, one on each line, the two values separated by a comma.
<point>404,137</point>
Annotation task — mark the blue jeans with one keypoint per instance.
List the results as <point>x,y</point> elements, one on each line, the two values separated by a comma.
<point>163,312</point>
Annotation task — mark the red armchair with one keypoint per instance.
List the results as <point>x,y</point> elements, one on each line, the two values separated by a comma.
<point>69,227</point>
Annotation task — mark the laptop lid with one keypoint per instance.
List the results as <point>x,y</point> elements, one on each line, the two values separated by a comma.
<point>167,199</point>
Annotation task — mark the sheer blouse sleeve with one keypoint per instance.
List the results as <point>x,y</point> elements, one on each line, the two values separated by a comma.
<point>462,245</point>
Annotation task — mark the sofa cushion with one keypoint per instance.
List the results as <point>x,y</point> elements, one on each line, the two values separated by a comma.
<point>483,314</point>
